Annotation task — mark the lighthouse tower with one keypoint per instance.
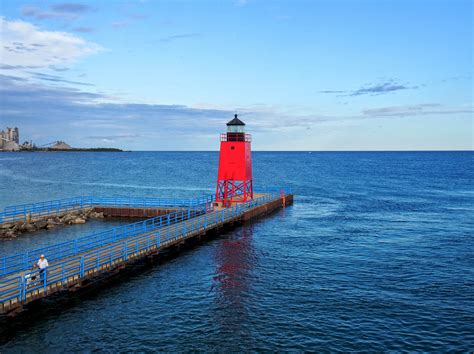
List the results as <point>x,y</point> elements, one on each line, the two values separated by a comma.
<point>234,180</point>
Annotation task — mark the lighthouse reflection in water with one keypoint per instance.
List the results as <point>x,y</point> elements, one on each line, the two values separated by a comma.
<point>235,259</point>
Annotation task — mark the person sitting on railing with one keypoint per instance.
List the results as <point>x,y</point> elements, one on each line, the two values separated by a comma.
<point>30,278</point>
<point>42,264</point>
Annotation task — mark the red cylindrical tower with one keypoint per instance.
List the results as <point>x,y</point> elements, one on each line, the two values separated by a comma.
<point>234,179</point>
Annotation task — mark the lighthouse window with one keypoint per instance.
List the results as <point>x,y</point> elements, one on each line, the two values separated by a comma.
<point>232,147</point>
<point>235,129</point>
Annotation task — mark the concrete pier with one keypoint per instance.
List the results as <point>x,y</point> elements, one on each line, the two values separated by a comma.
<point>74,272</point>
<point>133,212</point>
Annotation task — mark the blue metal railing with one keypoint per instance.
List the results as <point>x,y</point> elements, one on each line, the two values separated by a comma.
<point>52,207</point>
<point>275,190</point>
<point>11,288</point>
<point>23,261</point>
<point>91,257</point>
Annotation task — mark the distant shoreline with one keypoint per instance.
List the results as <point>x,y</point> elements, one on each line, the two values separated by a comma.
<point>69,150</point>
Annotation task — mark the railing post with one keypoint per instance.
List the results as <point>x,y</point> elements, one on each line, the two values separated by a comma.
<point>45,283</point>
<point>22,288</point>
<point>62,274</point>
<point>81,268</point>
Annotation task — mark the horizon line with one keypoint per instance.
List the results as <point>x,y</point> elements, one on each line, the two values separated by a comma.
<point>307,151</point>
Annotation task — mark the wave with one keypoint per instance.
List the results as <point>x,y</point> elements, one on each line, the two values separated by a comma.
<point>10,174</point>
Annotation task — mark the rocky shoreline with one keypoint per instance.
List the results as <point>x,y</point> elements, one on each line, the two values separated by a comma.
<point>12,230</point>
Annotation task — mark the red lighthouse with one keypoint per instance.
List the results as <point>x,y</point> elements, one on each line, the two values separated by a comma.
<point>234,180</point>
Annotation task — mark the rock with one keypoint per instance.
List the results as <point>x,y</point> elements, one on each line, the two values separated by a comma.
<point>50,223</point>
<point>71,215</point>
<point>9,234</point>
<point>78,221</point>
<point>23,227</point>
<point>67,218</point>
<point>41,224</point>
<point>5,226</point>
<point>71,219</point>
<point>30,228</point>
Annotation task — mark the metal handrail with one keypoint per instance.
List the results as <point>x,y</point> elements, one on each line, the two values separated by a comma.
<point>62,271</point>
<point>278,190</point>
<point>24,211</point>
<point>20,262</point>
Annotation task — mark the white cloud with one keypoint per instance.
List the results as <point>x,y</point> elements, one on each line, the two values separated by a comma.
<point>241,2</point>
<point>415,110</point>
<point>25,45</point>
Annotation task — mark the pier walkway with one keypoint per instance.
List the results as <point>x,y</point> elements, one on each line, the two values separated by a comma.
<point>72,263</point>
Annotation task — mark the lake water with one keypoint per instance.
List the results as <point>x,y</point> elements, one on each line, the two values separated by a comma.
<point>377,253</point>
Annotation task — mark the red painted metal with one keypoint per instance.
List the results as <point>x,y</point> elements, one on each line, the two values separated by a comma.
<point>234,180</point>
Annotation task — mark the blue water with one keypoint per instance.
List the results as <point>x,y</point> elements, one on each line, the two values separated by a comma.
<point>377,254</point>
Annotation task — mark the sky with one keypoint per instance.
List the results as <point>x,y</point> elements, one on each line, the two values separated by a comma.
<point>303,75</point>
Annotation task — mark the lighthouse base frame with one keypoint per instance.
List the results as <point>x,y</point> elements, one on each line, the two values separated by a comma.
<point>231,191</point>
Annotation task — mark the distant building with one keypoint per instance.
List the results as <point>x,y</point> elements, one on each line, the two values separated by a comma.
<point>13,134</point>
<point>27,145</point>
<point>10,139</point>
<point>10,146</point>
<point>61,145</point>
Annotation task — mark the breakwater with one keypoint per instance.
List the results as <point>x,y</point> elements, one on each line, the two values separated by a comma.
<point>18,219</point>
<point>15,229</point>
